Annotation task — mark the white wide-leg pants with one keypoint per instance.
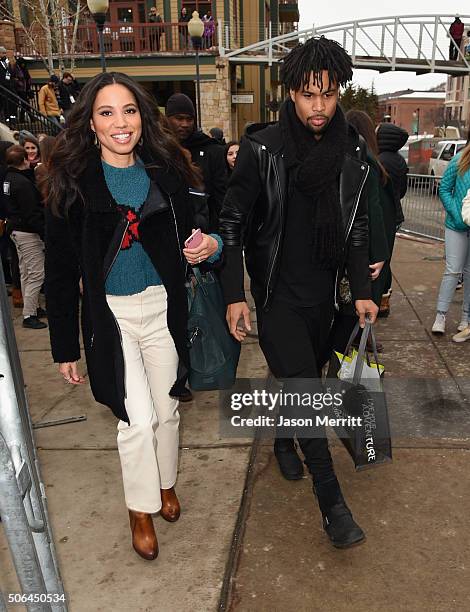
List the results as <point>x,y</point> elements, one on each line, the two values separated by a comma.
<point>148,447</point>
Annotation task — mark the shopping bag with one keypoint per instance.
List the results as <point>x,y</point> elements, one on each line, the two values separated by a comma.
<point>361,421</point>
<point>213,352</point>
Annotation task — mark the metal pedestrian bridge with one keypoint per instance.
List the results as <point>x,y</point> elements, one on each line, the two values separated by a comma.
<point>414,43</point>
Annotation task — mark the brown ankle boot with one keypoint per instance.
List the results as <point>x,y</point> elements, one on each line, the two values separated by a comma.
<point>171,509</point>
<point>144,538</point>
<point>17,298</point>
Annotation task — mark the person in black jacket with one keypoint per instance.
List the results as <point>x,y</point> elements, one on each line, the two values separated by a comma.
<point>296,206</point>
<point>68,92</point>
<point>390,139</point>
<point>26,227</point>
<point>118,214</point>
<point>4,240</point>
<point>23,85</point>
<point>205,151</point>
<point>7,108</point>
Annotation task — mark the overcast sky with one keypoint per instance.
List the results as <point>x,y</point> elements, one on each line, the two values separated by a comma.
<point>336,11</point>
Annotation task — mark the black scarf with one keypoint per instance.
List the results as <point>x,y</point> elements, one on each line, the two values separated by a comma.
<point>314,167</point>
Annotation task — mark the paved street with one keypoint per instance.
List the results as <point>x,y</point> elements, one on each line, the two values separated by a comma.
<point>248,540</point>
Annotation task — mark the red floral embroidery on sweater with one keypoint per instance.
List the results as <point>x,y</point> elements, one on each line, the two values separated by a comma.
<point>132,232</point>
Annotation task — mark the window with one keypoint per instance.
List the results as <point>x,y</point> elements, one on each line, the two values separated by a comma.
<point>201,6</point>
<point>448,152</point>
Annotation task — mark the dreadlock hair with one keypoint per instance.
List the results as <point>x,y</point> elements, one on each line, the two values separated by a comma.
<point>316,55</point>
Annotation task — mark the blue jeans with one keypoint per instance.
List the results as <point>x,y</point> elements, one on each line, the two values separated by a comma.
<point>457,247</point>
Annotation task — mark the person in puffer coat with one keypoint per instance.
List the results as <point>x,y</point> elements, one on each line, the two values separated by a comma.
<point>453,188</point>
<point>390,139</point>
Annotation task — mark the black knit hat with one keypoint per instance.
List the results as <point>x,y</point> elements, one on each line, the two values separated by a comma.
<point>179,104</point>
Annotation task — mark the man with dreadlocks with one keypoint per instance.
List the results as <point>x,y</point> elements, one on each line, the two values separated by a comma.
<point>297,207</point>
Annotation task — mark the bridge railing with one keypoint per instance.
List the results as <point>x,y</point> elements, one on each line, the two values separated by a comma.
<point>388,40</point>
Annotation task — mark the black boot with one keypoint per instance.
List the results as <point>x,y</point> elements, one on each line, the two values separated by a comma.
<point>338,522</point>
<point>289,462</point>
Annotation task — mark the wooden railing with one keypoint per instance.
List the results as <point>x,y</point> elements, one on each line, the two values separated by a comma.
<point>119,38</point>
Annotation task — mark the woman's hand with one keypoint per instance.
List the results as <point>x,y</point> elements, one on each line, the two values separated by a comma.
<point>208,247</point>
<point>70,373</point>
<point>376,269</point>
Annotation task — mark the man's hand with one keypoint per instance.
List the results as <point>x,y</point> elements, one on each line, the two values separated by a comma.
<point>366,308</point>
<point>235,312</point>
<point>376,269</point>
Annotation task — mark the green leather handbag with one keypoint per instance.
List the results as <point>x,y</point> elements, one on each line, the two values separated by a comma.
<point>213,352</point>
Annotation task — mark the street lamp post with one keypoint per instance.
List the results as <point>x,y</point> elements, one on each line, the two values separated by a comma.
<point>196,30</point>
<point>99,8</point>
<point>416,117</point>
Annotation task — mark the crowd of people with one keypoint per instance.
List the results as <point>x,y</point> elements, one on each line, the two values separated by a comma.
<point>308,205</point>
<point>55,99</point>
<point>23,177</point>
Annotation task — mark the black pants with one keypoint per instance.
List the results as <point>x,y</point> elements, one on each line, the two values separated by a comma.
<point>7,108</point>
<point>293,338</point>
<point>453,50</point>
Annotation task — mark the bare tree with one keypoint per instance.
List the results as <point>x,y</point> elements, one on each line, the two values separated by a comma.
<point>52,34</point>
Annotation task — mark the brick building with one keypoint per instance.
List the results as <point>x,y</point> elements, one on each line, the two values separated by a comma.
<point>415,111</point>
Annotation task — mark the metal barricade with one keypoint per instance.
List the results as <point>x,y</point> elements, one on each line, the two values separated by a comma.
<point>422,208</point>
<point>23,506</point>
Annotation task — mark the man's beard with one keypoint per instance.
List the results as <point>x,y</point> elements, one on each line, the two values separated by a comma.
<point>321,130</point>
<point>183,135</point>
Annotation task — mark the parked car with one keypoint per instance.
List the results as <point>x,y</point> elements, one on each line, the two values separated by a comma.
<point>442,155</point>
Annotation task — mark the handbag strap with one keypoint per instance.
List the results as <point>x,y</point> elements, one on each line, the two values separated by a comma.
<point>198,276</point>
<point>367,333</point>
<point>353,335</point>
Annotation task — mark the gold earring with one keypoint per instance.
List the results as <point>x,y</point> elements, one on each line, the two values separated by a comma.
<point>141,142</point>
<point>97,142</point>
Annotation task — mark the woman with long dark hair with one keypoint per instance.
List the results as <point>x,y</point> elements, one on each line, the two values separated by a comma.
<point>118,213</point>
<point>382,217</point>
<point>41,171</point>
<point>380,228</point>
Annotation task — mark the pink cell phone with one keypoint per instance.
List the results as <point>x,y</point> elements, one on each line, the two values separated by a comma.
<point>194,240</point>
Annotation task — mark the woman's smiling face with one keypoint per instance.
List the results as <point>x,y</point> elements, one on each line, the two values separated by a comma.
<point>31,150</point>
<point>117,123</point>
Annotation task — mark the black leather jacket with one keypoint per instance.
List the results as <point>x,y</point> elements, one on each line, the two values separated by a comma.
<point>253,217</point>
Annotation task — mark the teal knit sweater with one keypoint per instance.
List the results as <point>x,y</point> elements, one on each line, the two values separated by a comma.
<point>133,271</point>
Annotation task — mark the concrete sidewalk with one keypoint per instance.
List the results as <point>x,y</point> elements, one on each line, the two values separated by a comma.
<point>415,510</point>
<point>247,540</point>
